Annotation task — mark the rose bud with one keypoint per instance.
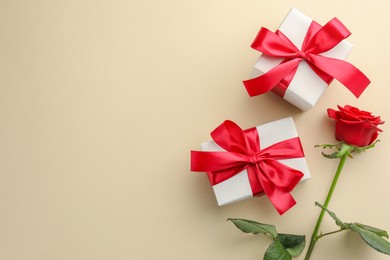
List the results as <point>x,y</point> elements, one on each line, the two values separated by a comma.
<point>355,127</point>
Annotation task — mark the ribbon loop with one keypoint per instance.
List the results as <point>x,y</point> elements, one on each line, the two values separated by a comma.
<point>327,37</point>
<point>274,44</point>
<point>243,151</point>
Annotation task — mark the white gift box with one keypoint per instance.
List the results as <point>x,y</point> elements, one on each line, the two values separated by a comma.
<point>238,187</point>
<point>306,87</point>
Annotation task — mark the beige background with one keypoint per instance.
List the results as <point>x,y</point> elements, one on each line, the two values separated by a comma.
<point>101,102</point>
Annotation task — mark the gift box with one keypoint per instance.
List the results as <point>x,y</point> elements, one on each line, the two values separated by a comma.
<point>301,59</point>
<point>267,159</point>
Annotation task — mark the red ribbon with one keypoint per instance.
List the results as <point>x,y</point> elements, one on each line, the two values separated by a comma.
<point>318,40</point>
<point>265,173</point>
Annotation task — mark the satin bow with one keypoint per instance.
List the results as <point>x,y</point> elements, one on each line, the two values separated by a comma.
<point>318,40</point>
<point>265,173</point>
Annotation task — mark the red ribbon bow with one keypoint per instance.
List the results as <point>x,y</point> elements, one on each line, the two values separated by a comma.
<point>317,41</point>
<point>265,173</point>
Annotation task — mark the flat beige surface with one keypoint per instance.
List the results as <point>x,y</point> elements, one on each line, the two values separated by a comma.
<point>101,102</point>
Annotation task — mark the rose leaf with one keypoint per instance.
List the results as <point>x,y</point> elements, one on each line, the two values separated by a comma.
<point>373,239</point>
<point>294,244</point>
<point>333,215</point>
<point>249,226</point>
<point>276,251</point>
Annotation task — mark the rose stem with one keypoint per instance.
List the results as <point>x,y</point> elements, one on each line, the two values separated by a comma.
<point>314,237</point>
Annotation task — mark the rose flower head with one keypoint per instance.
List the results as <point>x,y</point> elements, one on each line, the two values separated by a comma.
<point>354,126</point>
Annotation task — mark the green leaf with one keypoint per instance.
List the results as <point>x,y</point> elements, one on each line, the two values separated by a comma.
<point>371,235</point>
<point>363,149</point>
<point>276,251</point>
<point>249,226</point>
<point>378,231</point>
<point>374,240</point>
<point>294,244</point>
<point>344,150</point>
<point>333,215</point>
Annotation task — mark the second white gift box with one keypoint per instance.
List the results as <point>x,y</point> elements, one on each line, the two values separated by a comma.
<point>237,186</point>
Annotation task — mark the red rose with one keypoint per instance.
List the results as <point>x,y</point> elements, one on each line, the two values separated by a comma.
<point>355,127</point>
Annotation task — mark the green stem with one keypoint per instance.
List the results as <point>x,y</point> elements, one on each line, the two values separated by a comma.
<point>330,233</point>
<point>315,237</point>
